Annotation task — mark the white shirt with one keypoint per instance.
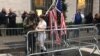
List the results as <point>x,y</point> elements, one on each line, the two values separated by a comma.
<point>42,25</point>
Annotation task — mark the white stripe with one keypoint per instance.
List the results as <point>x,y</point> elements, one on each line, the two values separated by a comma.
<point>57,8</point>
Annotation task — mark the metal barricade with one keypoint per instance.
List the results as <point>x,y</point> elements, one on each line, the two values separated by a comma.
<point>88,36</point>
<point>75,38</point>
<point>12,42</point>
<point>92,35</point>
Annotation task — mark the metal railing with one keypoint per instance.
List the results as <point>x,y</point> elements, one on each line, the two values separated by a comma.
<point>12,42</point>
<point>75,38</point>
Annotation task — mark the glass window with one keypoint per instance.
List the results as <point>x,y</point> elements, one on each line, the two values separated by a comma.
<point>39,3</point>
<point>81,4</point>
<point>85,5</point>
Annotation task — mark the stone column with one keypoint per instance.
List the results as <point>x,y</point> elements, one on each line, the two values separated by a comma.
<point>96,6</point>
<point>71,9</point>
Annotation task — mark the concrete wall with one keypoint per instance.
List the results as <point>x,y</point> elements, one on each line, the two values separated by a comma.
<point>17,5</point>
<point>96,6</point>
<point>71,9</point>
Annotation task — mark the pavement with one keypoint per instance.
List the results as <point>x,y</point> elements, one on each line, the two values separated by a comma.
<point>15,45</point>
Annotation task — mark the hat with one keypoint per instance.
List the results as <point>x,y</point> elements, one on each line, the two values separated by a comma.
<point>42,16</point>
<point>31,12</point>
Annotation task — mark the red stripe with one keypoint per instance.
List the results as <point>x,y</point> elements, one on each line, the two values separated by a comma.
<point>63,25</point>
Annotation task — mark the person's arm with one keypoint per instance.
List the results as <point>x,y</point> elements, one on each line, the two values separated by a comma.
<point>41,27</point>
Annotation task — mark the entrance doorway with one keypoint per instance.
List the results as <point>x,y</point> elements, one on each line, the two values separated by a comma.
<point>40,5</point>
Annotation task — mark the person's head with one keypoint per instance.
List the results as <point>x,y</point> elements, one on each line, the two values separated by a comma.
<point>96,15</point>
<point>3,10</point>
<point>10,10</point>
<point>31,12</point>
<point>41,17</point>
<point>25,12</point>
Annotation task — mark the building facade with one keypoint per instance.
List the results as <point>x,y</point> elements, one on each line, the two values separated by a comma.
<point>72,5</point>
<point>90,6</point>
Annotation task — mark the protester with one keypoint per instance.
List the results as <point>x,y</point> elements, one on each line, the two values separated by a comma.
<point>30,24</point>
<point>24,15</point>
<point>89,18</point>
<point>12,22</point>
<point>77,21</point>
<point>97,22</point>
<point>3,21</point>
<point>42,25</point>
<point>78,18</point>
<point>12,19</point>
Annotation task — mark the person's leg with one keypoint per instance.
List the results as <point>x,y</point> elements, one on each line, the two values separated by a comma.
<point>33,42</point>
<point>30,42</point>
<point>98,30</point>
<point>3,31</point>
<point>76,33</point>
<point>42,40</point>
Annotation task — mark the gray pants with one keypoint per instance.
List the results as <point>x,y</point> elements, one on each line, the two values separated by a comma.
<point>41,39</point>
<point>3,31</point>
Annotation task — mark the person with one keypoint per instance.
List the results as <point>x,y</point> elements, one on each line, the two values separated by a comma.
<point>41,27</point>
<point>12,22</point>
<point>77,21</point>
<point>3,21</point>
<point>30,24</point>
<point>88,20</point>
<point>24,15</point>
<point>78,18</point>
<point>12,19</point>
<point>97,22</point>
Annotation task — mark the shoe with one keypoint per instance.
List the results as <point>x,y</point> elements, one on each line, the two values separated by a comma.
<point>45,53</point>
<point>30,50</point>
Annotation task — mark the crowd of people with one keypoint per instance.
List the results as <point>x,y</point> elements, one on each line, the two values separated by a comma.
<point>7,20</point>
<point>31,21</point>
<point>37,23</point>
<point>88,19</point>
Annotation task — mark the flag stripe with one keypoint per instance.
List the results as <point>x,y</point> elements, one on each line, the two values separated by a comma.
<point>54,19</point>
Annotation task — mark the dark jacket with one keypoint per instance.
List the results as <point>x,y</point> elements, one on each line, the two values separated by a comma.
<point>12,19</point>
<point>89,19</point>
<point>3,18</point>
<point>24,15</point>
<point>30,23</point>
<point>78,18</point>
<point>97,21</point>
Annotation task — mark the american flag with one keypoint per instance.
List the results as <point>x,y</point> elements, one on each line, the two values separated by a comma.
<point>62,19</point>
<point>62,25</point>
<point>53,20</point>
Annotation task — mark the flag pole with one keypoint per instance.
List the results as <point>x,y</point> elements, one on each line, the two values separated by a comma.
<point>53,3</point>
